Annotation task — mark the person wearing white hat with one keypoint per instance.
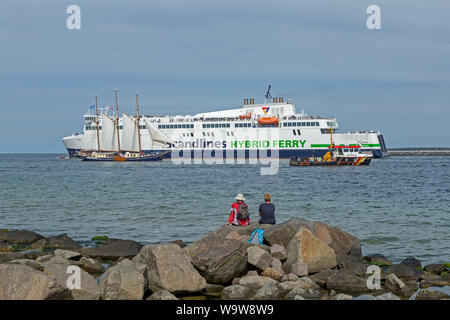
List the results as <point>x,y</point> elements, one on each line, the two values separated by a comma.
<point>239,215</point>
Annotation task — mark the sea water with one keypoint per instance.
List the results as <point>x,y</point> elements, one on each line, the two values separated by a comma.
<point>398,206</point>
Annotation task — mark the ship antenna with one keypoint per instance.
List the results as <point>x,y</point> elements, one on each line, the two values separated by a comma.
<point>268,96</point>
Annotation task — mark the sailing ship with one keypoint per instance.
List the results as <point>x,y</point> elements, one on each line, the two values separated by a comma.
<point>113,149</point>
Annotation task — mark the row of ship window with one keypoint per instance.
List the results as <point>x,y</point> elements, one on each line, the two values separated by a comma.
<point>100,127</point>
<point>208,134</point>
<point>176,126</point>
<point>301,124</point>
<point>236,125</point>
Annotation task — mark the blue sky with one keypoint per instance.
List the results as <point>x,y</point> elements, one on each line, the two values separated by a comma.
<point>185,57</point>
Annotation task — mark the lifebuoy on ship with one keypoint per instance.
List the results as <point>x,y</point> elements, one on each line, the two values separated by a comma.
<point>268,120</point>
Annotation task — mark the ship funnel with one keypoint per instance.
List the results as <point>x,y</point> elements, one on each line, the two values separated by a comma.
<point>245,101</point>
<point>275,100</point>
<point>280,100</point>
<point>252,101</point>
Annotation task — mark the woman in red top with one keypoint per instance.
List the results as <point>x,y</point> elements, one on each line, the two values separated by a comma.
<point>234,210</point>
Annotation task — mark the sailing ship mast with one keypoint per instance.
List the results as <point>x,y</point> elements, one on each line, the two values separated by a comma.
<point>117,121</point>
<point>138,123</point>
<point>96,120</point>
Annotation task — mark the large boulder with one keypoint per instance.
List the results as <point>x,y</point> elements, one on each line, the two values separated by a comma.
<point>268,292</point>
<point>377,259</point>
<point>413,263</point>
<point>398,287</point>
<point>278,251</point>
<point>218,259</point>
<point>91,266</point>
<point>282,233</point>
<point>23,236</point>
<point>352,263</point>
<point>30,263</point>
<point>68,254</point>
<point>88,289</point>
<point>122,282</point>
<point>435,268</point>
<point>62,241</point>
<point>304,283</point>
<point>20,282</point>
<point>404,272</point>
<point>428,294</point>
<point>259,258</point>
<point>305,247</point>
<point>340,241</point>
<point>345,281</point>
<point>114,250</point>
<point>170,268</point>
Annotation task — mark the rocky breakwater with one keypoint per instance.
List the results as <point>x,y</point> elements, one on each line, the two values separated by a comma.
<point>299,260</point>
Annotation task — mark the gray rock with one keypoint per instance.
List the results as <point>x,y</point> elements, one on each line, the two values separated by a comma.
<point>352,263</point>
<point>289,277</point>
<point>300,269</point>
<point>122,282</point>
<point>114,250</point>
<point>303,283</point>
<point>340,241</point>
<point>20,282</point>
<point>162,295</point>
<point>278,251</point>
<point>398,287</point>
<point>404,272</point>
<point>307,294</point>
<point>170,268</point>
<point>436,268</point>
<point>67,254</point>
<point>235,292</point>
<point>88,289</point>
<point>377,259</point>
<point>30,263</point>
<point>255,282</point>
<point>259,258</point>
<point>252,273</point>
<point>23,236</point>
<point>413,263</point>
<point>218,259</point>
<point>180,243</point>
<point>91,266</point>
<point>305,247</point>
<point>6,257</point>
<point>321,278</point>
<point>282,233</point>
<point>387,296</point>
<point>268,292</point>
<point>62,241</point>
<point>429,294</point>
<point>345,281</point>
<point>44,258</point>
<point>341,296</point>
<point>57,260</point>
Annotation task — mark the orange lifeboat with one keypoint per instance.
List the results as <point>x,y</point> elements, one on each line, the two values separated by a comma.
<point>248,116</point>
<point>268,120</point>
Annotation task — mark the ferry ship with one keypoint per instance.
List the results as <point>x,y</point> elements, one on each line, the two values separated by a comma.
<point>255,130</point>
